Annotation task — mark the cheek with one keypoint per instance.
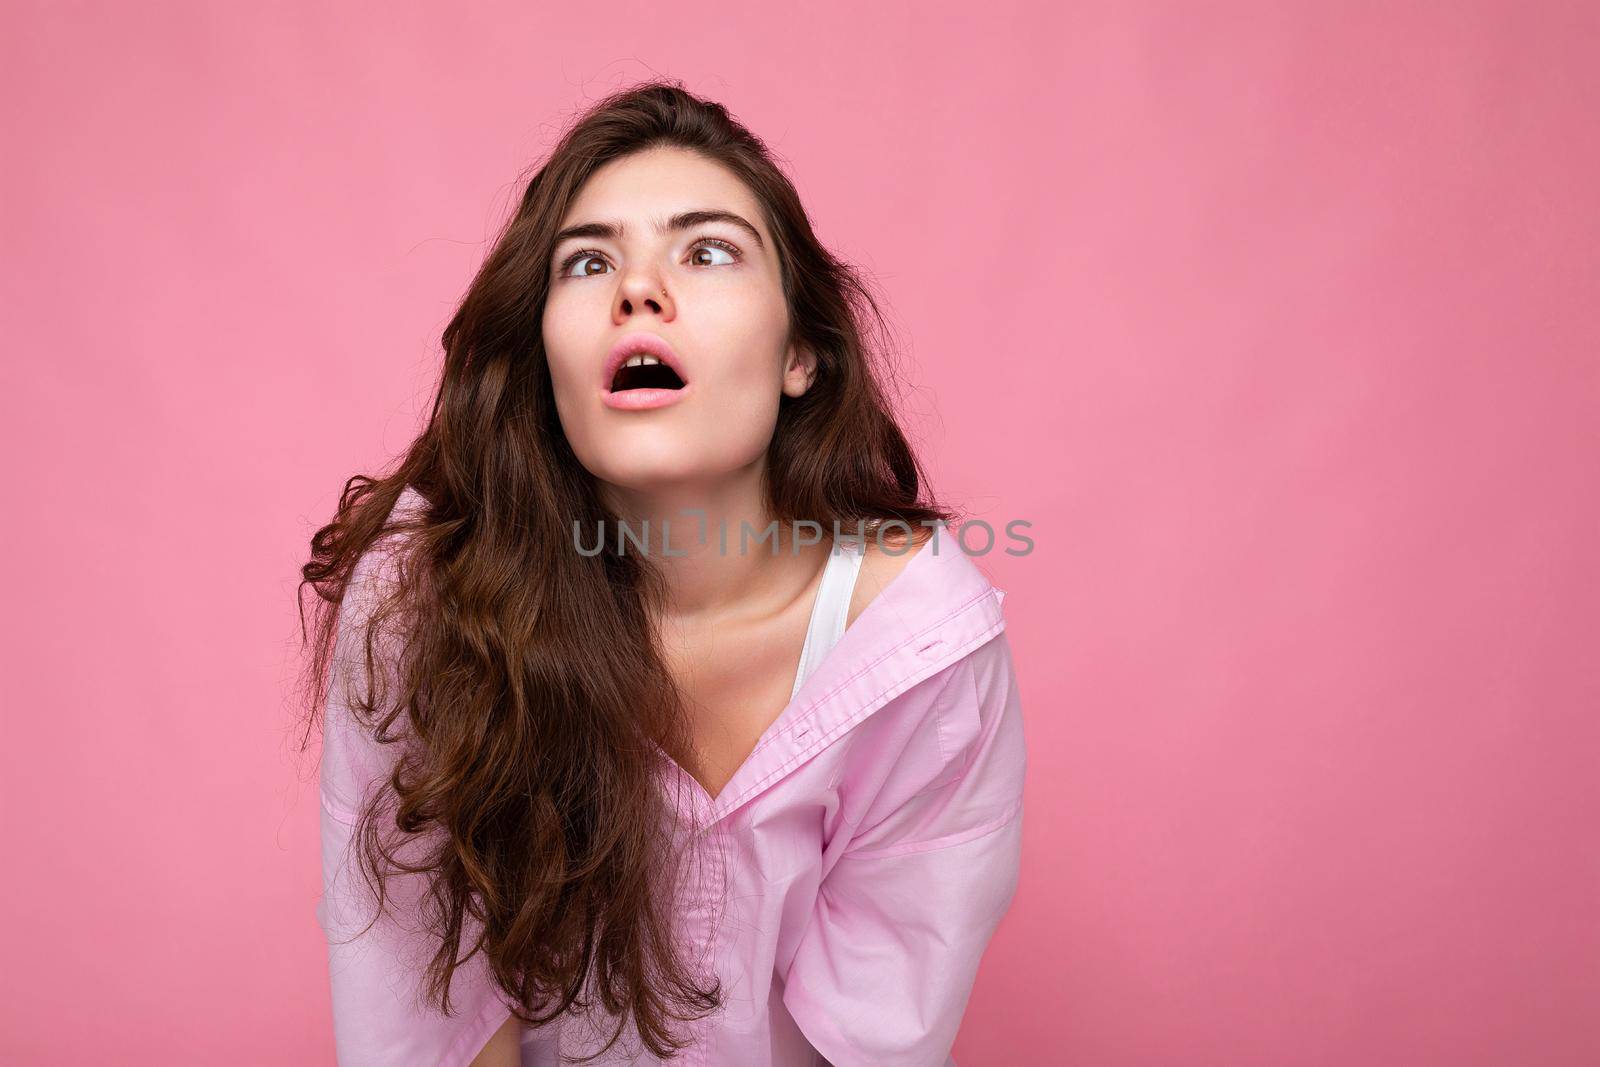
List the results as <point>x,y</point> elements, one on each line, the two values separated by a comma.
<point>570,382</point>
<point>741,419</point>
<point>569,358</point>
<point>565,385</point>
<point>568,377</point>
<point>561,345</point>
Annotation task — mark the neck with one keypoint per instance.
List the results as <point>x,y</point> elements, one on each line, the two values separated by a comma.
<point>711,541</point>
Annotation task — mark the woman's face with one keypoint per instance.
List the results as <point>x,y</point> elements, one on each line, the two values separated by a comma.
<point>710,289</point>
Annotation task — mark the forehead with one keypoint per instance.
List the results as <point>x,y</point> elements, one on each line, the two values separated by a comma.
<point>659,182</point>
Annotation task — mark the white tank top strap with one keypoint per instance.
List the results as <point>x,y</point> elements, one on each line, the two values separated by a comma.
<point>831,610</point>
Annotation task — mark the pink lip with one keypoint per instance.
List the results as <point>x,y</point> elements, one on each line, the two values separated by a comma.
<point>641,399</point>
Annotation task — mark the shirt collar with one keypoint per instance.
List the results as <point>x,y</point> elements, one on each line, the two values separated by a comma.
<point>936,610</point>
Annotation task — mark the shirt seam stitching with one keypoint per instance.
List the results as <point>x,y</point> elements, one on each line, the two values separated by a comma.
<point>961,837</point>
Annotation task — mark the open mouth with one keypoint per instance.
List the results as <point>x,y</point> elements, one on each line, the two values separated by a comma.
<point>644,372</point>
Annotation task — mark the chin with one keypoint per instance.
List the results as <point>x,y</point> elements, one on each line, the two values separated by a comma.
<point>643,475</point>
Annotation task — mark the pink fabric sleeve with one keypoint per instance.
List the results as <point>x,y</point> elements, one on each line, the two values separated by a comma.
<point>375,971</point>
<point>884,970</point>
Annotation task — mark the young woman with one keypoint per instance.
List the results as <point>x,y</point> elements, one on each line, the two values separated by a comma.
<point>603,773</point>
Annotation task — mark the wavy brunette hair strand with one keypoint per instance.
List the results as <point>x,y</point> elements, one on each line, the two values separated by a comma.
<point>524,677</point>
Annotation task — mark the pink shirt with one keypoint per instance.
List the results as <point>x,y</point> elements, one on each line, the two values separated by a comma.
<point>852,873</point>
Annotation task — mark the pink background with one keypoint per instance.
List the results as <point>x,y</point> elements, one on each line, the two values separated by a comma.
<point>1276,321</point>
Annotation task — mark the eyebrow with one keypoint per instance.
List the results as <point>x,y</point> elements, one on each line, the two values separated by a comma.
<point>685,220</point>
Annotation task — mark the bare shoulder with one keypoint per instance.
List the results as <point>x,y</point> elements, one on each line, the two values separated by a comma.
<point>882,564</point>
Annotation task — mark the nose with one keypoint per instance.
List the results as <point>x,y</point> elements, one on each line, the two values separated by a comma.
<point>640,290</point>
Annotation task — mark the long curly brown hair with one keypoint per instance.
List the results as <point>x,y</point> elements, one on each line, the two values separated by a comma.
<point>524,678</point>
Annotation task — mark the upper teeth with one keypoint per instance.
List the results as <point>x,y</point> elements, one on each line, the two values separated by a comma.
<point>640,361</point>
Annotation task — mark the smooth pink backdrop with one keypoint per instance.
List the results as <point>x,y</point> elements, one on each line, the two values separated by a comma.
<point>1276,321</point>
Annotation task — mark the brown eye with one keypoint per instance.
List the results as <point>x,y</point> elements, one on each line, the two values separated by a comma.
<point>578,257</point>
<point>709,245</point>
